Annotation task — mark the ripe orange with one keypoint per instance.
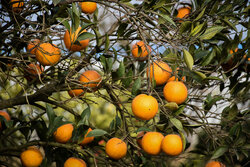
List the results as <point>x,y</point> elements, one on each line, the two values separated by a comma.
<point>70,38</point>
<point>175,91</point>
<point>144,52</point>
<point>214,164</point>
<point>17,5</point>
<point>87,140</point>
<point>32,46</point>
<point>116,148</point>
<point>151,142</point>
<point>144,107</point>
<point>183,12</point>
<point>74,162</point>
<point>88,7</point>
<point>48,54</point>
<point>160,71</point>
<point>76,92</point>
<point>172,144</point>
<point>34,70</point>
<point>64,133</point>
<point>31,157</point>
<point>90,79</point>
<point>230,63</point>
<point>5,115</point>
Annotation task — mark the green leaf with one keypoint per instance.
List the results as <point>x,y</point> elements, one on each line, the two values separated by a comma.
<point>116,123</point>
<point>85,117</point>
<point>183,138</point>
<point>203,76</point>
<point>50,113</point>
<point>55,2</point>
<point>64,22</point>
<point>188,58</point>
<point>197,29</point>
<point>109,62</point>
<point>103,62</point>
<point>211,32</point>
<point>128,79</point>
<point>121,29</point>
<point>136,86</point>
<point>143,129</point>
<point>172,106</point>
<point>75,17</point>
<point>58,121</point>
<point>167,18</point>
<point>177,123</point>
<point>171,57</point>
<point>200,15</point>
<point>96,133</point>
<point>180,110</point>
<point>107,43</point>
<point>229,24</point>
<point>121,70</point>
<point>85,35</point>
<point>185,26</point>
<point>207,60</point>
<point>219,152</point>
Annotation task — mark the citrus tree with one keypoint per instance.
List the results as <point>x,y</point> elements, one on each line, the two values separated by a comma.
<point>124,83</point>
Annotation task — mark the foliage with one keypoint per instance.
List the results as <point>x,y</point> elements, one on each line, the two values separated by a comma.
<point>213,122</point>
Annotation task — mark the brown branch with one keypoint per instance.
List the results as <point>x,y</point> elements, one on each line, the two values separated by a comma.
<point>41,95</point>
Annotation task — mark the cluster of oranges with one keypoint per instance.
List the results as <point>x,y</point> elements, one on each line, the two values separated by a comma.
<point>154,142</point>
<point>145,107</point>
<point>48,54</point>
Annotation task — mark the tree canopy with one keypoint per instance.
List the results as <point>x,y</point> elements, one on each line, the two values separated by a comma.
<point>63,62</point>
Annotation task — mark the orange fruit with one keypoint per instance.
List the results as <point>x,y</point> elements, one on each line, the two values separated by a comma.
<point>34,70</point>
<point>144,107</point>
<point>88,7</point>
<point>64,133</point>
<point>32,46</point>
<point>116,148</point>
<point>87,140</point>
<point>74,162</point>
<point>48,54</point>
<point>75,92</point>
<point>90,79</point>
<point>230,63</point>
<point>5,115</point>
<point>17,5</point>
<point>70,38</point>
<point>160,71</point>
<point>32,157</point>
<point>172,144</point>
<point>175,91</point>
<point>214,164</point>
<point>144,52</point>
<point>183,12</point>
<point>151,142</point>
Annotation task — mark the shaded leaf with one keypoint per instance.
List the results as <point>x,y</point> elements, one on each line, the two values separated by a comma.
<point>211,32</point>
<point>200,15</point>
<point>177,123</point>
<point>167,18</point>
<point>85,117</point>
<point>136,86</point>
<point>197,29</point>
<point>219,152</point>
<point>96,133</point>
<point>188,58</point>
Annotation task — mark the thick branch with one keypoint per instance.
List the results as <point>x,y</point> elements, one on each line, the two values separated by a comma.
<point>40,95</point>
